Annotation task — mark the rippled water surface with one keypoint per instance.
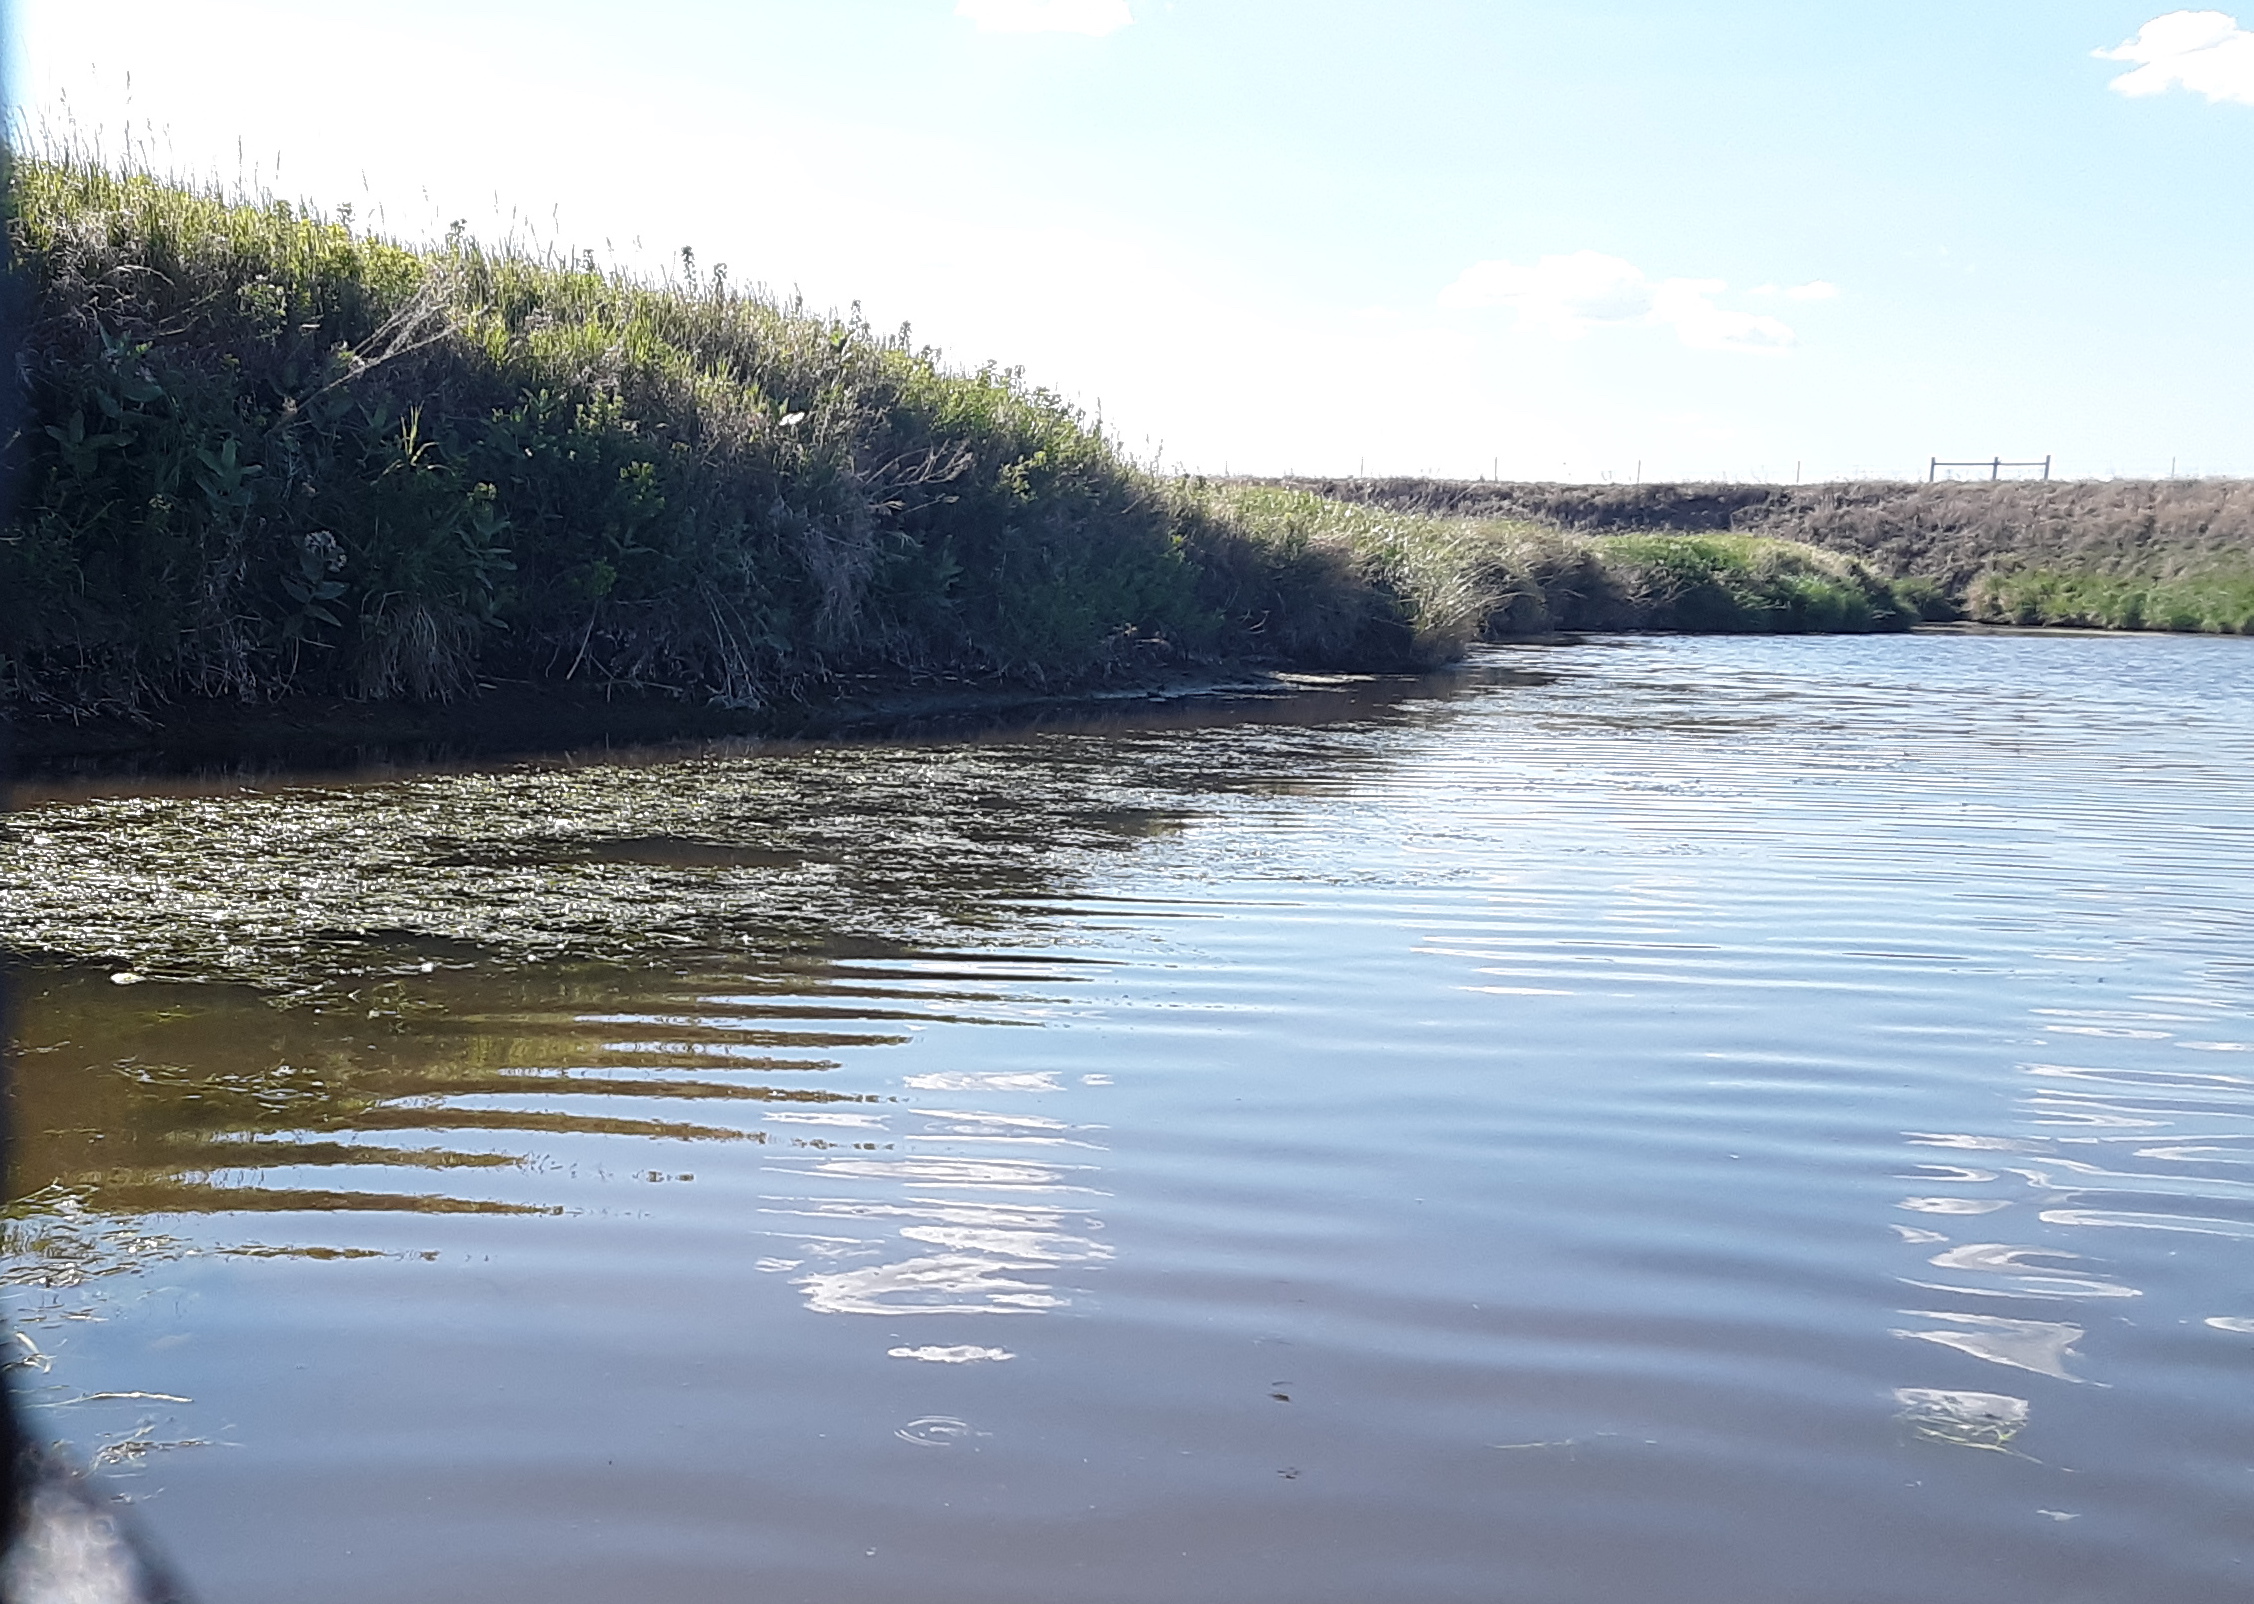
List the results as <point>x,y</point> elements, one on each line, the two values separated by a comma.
<point>1659,1119</point>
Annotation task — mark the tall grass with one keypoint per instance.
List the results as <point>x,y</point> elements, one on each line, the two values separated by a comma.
<point>1357,582</point>
<point>269,455</point>
<point>2137,554</point>
<point>2215,602</point>
<point>272,456</point>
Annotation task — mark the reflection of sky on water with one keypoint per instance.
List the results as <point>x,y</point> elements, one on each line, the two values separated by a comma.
<point>2042,1346</point>
<point>2153,1148</point>
<point>993,1234</point>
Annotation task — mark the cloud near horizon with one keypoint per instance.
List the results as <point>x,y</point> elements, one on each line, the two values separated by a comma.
<point>2206,52</point>
<point>1094,18</point>
<point>1566,296</point>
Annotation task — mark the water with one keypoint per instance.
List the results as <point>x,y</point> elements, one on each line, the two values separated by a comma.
<point>1677,1119</point>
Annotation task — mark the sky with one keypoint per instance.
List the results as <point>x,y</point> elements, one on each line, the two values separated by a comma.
<point>1599,240</point>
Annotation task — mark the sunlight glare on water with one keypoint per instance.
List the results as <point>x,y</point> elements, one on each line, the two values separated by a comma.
<point>1701,1119</point>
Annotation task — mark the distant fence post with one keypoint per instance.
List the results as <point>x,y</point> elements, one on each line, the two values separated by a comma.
<point>1994,465</point>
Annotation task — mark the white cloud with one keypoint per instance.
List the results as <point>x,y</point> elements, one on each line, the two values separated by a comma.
<point>2206,52</point>
<point>1092,17</point>
<point>1814,290</point>
<point>1566,296</point>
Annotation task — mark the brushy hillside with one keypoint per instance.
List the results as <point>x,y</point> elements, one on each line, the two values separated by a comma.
<point>2135,554</point>
<point>266,456</point>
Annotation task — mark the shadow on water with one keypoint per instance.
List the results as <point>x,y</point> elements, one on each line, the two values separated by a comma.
<point>278,756</point>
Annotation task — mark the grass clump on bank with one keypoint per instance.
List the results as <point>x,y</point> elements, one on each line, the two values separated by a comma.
<point>1751,584</point>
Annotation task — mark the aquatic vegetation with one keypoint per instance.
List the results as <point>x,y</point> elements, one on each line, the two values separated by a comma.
<point>1986,1420</point>
<point>50,1241</point>
<point>364,889</point>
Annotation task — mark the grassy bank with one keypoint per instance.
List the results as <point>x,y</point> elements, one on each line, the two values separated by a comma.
<point>1461,578</point>
<point>269,458</point>
<point>2213,602</point>
<point>2132,554</point>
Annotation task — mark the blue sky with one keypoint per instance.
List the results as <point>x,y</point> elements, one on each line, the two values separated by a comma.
<point>1728,239</point>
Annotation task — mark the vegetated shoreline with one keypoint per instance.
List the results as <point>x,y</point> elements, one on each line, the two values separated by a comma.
<point>285,482</point>
<point>2160,554</point>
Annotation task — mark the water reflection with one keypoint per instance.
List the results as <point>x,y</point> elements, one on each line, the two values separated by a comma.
<point>1451,1150</point>
<point>2042,1346</point>
<point>989,1249</point>
<point>207,1099</point>
<point>2192,1126</point>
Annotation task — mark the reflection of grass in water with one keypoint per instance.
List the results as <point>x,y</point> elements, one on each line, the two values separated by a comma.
<point>131,1104</point>
<point>58,1239</point>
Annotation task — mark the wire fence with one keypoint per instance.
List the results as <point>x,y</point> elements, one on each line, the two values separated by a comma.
<point>1994,465</point>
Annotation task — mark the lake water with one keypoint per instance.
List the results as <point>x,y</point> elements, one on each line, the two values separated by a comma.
<point>1676,1119</point>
